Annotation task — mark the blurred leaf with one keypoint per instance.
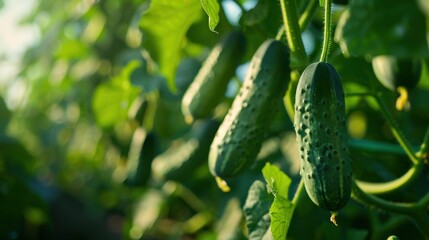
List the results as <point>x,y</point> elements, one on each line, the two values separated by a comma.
<point>148,83</point>
<point>256,210</point>
<point>211,7</point>
<point>164,27</point>
<point>112,99</point>
<point>375,27</point>
<point>16,157</point>
<point>72,49</point>
<point>200,36</point>
<point>281,210</point>
<point>260,23</point>
<point>256,14</point>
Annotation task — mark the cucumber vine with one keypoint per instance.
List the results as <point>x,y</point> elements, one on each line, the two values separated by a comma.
<point>293,32</point>
<point>362,191</point>
<point>326,31</point>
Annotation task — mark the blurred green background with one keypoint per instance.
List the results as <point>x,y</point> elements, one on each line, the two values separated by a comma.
<point>83,96</point>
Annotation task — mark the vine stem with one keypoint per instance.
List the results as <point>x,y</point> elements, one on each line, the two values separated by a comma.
<point>187,195</point>
<point>326,31</point>
<point>396,131</point>
<point>308,13</point>
<point>293,32</point>
<point>304,19</point>
<point>415,211</point>
<point>416,159</point>
<point>424,148</point>
<point>299,191</point>
<point>394,185</point>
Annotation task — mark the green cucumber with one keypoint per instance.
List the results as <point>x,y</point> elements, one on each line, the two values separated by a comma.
<point>142,151</point>
<point>393,72</point>
<point>320,126</point>
<point>185,155</point>
<point>245,127</point>
<point>209,86</point>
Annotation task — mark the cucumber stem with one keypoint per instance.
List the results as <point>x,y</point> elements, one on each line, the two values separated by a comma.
<point>304,19</point>
<point>298,193</point>
<point>308,13</point>
<point>326,31</point>
<point>424,148</point>
<point>293,32</point>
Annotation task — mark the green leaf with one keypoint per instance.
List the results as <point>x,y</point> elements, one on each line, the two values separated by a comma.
<point>376,27</point>
<point>164,27</point>
<point>72,49</point>
<point>281,210</point>
<point>277,180</point>
<point>112,99</point>
<point>256,210</point>
<point>281,215</point>
<point>211,7</point>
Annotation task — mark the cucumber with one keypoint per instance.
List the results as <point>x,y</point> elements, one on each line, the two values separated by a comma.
<point>142,151</point>
<point>209,86</point>
<point>393,72</point>
<point>185,155</point>
<point>245,127</point>
<point>320,126</point>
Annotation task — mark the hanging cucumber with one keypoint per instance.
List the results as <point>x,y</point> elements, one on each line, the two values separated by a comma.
<point>185,155</point>
<point>398,75</point>
<point>245,127</point>
<point>320,126</point>
<point>142,151</point>
<point>209,86</point>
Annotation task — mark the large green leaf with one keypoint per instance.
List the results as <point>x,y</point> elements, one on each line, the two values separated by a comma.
<point>211,7</point>
<point>281,215</point>
<point>277,180</point>
<point>164,27</point>
<point>281,210</point>
<point>375,27</point>
<point>256,210</point>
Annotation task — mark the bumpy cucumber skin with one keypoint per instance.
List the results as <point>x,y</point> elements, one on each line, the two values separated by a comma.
<point>209,86</point>
<point>393,73</point>
<point>239,138</point>
<point>320,126</point>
